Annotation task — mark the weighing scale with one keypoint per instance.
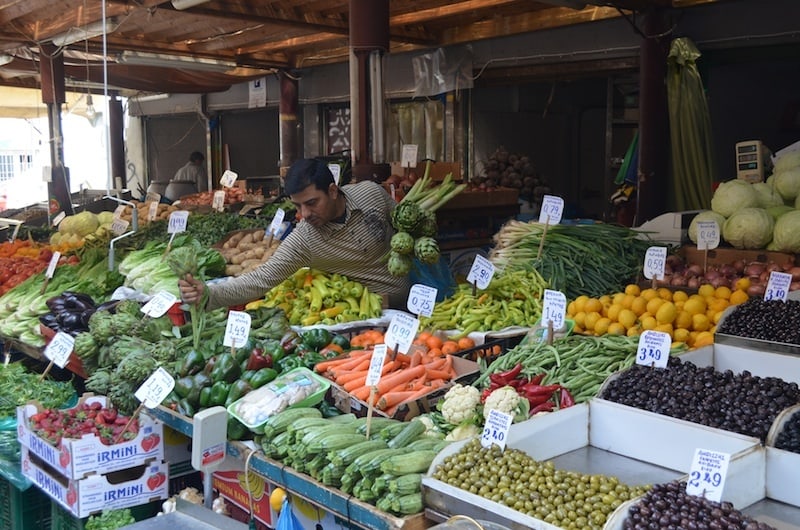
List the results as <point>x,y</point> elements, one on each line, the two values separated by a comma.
<point>750,157</point>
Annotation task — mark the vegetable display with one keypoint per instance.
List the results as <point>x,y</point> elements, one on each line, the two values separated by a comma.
<point>18,386</point>
<point>771,320</point>
<point>110,519</point>
<point>575,259</point>
<point>244,251</point>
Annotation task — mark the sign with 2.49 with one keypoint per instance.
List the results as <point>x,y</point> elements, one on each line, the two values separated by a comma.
<point>707,474</point>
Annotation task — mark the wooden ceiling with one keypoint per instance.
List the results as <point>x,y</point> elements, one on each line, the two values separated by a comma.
<point>257,35</point>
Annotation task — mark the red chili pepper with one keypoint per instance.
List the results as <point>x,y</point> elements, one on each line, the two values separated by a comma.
<point>534,390</point>
<point>516,383</point>
<point>537,399</point>
<point>536,379</point>
<point>508,375</point>
<point>497,379</point>
<point>547,406</point>
<point>566,399</point>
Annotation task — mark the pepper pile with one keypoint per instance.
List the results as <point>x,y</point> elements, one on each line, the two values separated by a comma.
<point>541,398</point>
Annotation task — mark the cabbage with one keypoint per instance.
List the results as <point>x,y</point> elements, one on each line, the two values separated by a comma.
<point>732,196</point>
<point>777,211</point>
<point>105,217</point>
<point>787,232</point>
<point>749,228</point>
<point>767,195</point>
<point>705,215</point>
<point>787,161</point>
<point>787,183</point>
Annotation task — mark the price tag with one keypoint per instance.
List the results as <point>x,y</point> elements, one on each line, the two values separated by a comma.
<point>707,235</point>
<point>118,211</point>
<point>59,348</point>
<point>481,272</point>
<point>152,196</point>
<point>51,267</point>
<point>152,211</point>
<point>402,330</point>
<point>277,221</point>
<point>119,226</point>
<point>177,221</point>
<point>376,364</point>
<point>336,171</point>
<point>554,308</point>
<point>237,329</point>
<point>58,218</point>
<point>707,474</point>
<point>159,304</point>
<point>778,286</point>
<point>155,388</point>
<point>409,156</point>
<point>653,349</point>
<point>654,261</point>
<point>218,201</point>
<point>228,178</point>
<point>552,210</point>
<point>495,430</point>
<point>421,299</point>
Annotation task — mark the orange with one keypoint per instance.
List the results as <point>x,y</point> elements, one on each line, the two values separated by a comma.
<point>435,352</point>
<point>450,347</point>
<point>434,342</point>
<point>466,343</point>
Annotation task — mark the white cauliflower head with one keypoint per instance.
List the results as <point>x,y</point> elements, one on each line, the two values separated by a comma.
<point>506,399</point>
<point>460,404</point>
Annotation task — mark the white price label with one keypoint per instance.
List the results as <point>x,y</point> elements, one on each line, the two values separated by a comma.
<point>152,211</point>
<point>51,267</point>
<point>277,221</point>
<point>654,261</point>
<point>552,210</point>
<point>409,156</point>
<point>653,349</point>
<point>495,430</point>
<point>177,221</point>
<point>155,388</point>
<point>376,364</point>
<point>421,299</point>
<point>218,200</point>
<point>118,211</point>
<point>59,348</point>
<point>237,329</point>
<point>481,272</point>
<point>336,171</point>
<point>228,178</point>
<point>554,308</point>
<point>159,304</point>
<point>707,235</point>
<point>58,218</point>
<point>119,226</point>
<point>152,196</point>
<point>707,474</point>
<point>778,286</point>
<point>402,330</point>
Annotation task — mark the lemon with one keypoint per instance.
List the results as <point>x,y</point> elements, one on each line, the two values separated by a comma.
<point>649,322</point>
<point>627,302</point>
<point>723,291</point>
<point>703,338</point>
<point>618,298</point>
<point>613,311</point>
<point>664,328</point>
<point>276,499</point>
<point>605,299</point>
<point>654,304</point>
<point>633,289</point>
<point>706,290</point>
<point>683,320</point>
<point>679,296</point>
<point>666,313</point>
<point>580,303</point>
<point>601,326</point>
<point>627,318</point>
<point>700,322</point>
<point>695,306</point>
<point>593,305</point>
<point>738,296</point>
<point>681,335</point>
<point>634,331</point>
<point>639,305</point>
<point>664,293</point>
<point>571,308</point>
<point>615,328</point>
<point>742,284</point>
<point>580,319</point>
<point>590,320</point>
<point>649,293</point>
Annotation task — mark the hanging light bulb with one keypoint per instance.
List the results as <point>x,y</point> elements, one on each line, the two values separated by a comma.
<point>90,112</point>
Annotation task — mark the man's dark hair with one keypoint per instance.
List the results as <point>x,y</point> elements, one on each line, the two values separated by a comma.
<point>306,172</point>
<point>196,156</point>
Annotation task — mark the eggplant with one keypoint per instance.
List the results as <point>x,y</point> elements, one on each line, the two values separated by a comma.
<point>49,320</point>
<point>109,306</point>
<point>69,320</point>
<point>77,301</point>
<point>85,315</point>
<point>55,303</point>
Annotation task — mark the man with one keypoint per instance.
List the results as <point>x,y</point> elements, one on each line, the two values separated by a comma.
<point>343,230</point>
<point>193,171</point>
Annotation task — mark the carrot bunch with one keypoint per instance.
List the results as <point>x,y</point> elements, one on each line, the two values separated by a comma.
<point>403,378</point>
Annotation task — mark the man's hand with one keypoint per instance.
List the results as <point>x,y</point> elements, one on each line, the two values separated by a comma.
<point>192,289</point>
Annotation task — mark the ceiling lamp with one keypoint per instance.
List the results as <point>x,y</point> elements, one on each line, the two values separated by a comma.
<point>174,61</point>
<point>186,4</point>
<point>95,29</point>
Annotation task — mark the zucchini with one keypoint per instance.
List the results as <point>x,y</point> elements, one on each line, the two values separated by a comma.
<point>278,446</point>
<point>412,430</point>
<point>334,442</point>
<point>373,465</point>
<point>406,484</point>
<point>390,431</point>
<point>384,504</point>
<point>431,444</point>
<point>279,422</point>
<point>376,425</point>
<point>381,484</point>
<point>345,457</point>
<point>407,504</point>
<point>413,462</point>
<point>332,475</point>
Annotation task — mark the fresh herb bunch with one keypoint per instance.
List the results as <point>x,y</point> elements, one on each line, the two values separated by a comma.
<point>18,386</point>
<point>110,520</point>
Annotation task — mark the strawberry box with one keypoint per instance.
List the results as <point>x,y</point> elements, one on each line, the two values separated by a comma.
<point>94,493</point>
<point>78,457</point>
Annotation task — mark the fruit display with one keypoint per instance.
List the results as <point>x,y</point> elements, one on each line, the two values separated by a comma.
<point>106,423</point>
<point>788,438</point>
<point>76,229</point>
<point>771,320</point>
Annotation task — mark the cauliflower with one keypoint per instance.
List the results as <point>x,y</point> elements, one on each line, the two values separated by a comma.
<point>462,432</point>
<point>460,404</point>
<point>506,399</point>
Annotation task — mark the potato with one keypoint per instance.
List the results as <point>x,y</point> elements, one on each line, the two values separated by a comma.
<point>233,270</point>
<point>233,241</point>
<point>251,263</point>
<point>247,238</point>
<point>258,235</point>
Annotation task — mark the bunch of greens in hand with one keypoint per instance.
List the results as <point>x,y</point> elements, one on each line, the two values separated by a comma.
<point>183,262</point>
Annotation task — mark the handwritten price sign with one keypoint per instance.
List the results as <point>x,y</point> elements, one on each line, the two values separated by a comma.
<point>654,261</point>
<point>159,304</point>
<point>155,388</point>
<point>653,349</point>
<point>707,474</point>
<point>177,221</point>
<point>707,235</point>
<point>495,430</point>
<point>218,200</point>
<point>376,364</point>
<point>228,178</point>
<point>59,349</point>
<point>778,286</point>
<point>237,329</point>
<point>554,308</point>
<point>481,272</point>
<point>402,330</point>
<point>119,226</point>
<point>421,299</point>
<point>277,221</point>
<point>552,210</point>
<point>51,267</point>
<point>152,211</point>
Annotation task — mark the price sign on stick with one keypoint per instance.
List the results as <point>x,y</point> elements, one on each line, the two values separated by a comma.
<point>177,221</point>
<point>376,364</point>
<point>554,308</point>
<point>653,349</point>
<point>495,430</point>
<point>409,156</point>
<point>654,261</point>
<point>552,210</point>
<point>336,171</point>
<point>59,349</point>
<point>152,211</point>
<point>237,329</point>
<point>707,235</point>
<point>118,211</point>
<point>228,178</point>
<point>156,388</point>
<point>51,267</point>
<point>421,299</point>
<point>707,474</point>
<point>402,329</point>
<point>159,304</point>
<point>119,226</point>
<point>218,200</point>
<point>778,286</point>
<point>481,272</point>
<point>58,218</point>
<point>277,221</point>
<point>152,197</point>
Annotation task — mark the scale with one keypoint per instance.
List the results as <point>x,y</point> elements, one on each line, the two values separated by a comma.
<point>750,156</point>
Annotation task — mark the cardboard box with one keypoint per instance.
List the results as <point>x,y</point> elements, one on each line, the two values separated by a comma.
<point>727,255</point>
<point>483,199</point>
<point>232,486</point>
<point>94,493</point>
<point>466,372</point>
<point>77,458</point>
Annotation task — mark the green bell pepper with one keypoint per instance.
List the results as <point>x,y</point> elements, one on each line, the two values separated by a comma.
<point>205,398</point>
<point>312,358</point>
<point>262,377</point>
<point>236,429</point>
<point>290,363</point>
<point>237,389</point>
<point>247,375</point>
<point>184,386</point>
<point>274,349</point>
<point>186,408</point>
<point>226,369</point>
<point>341,341</point>
<point>192,363</point>
<point>219,393</point>
<point>317,338</point>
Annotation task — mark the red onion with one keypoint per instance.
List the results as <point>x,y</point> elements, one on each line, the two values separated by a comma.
<point>794,286</point>
<point>754,269</point>
<point>727,270</point>
<point>678,281</point>
<point>694,270</point>
<point>712,274</point>
<point>693,282</point>
<point>756,289</point>
<point>739,265</point>
<point>795,272</point>
<point>772,266</point>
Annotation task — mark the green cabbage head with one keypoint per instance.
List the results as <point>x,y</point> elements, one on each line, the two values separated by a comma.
<point>734,195</point>
<point>749,228</point>
<point>787,183</point>
<point>705,215</point>
<point>767,195</point>
<point>786,236</point>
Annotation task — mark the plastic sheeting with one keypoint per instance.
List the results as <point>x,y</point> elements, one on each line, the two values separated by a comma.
<point>443,70</point>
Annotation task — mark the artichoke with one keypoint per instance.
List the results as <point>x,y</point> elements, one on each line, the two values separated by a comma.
<point>428,227</point>
<point>406,216</point>
<point>426,249</point>
<point>402,243</point>
<point>399,264</point>
<point>85,346</point>
<point>100,326</point>
<point>99,382</point>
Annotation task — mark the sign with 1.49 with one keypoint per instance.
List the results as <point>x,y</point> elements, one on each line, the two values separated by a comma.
<point>495,430</point>
<point>653,349</point>
<point>237,329</point>
<point>401,332</point>
<point>554,308</point>
<point>707,474</point>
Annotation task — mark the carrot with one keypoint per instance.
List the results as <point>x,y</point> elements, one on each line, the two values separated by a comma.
<point>346,377</point>
<point>355,384</point>
<point>389,399</point>
<point>361,393</point>
<point>323,366</point>
<point>435,364</point>
<point>404,375</point>
<point>416,359</point>
<point>447,375</point>
<point>362,364</point>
